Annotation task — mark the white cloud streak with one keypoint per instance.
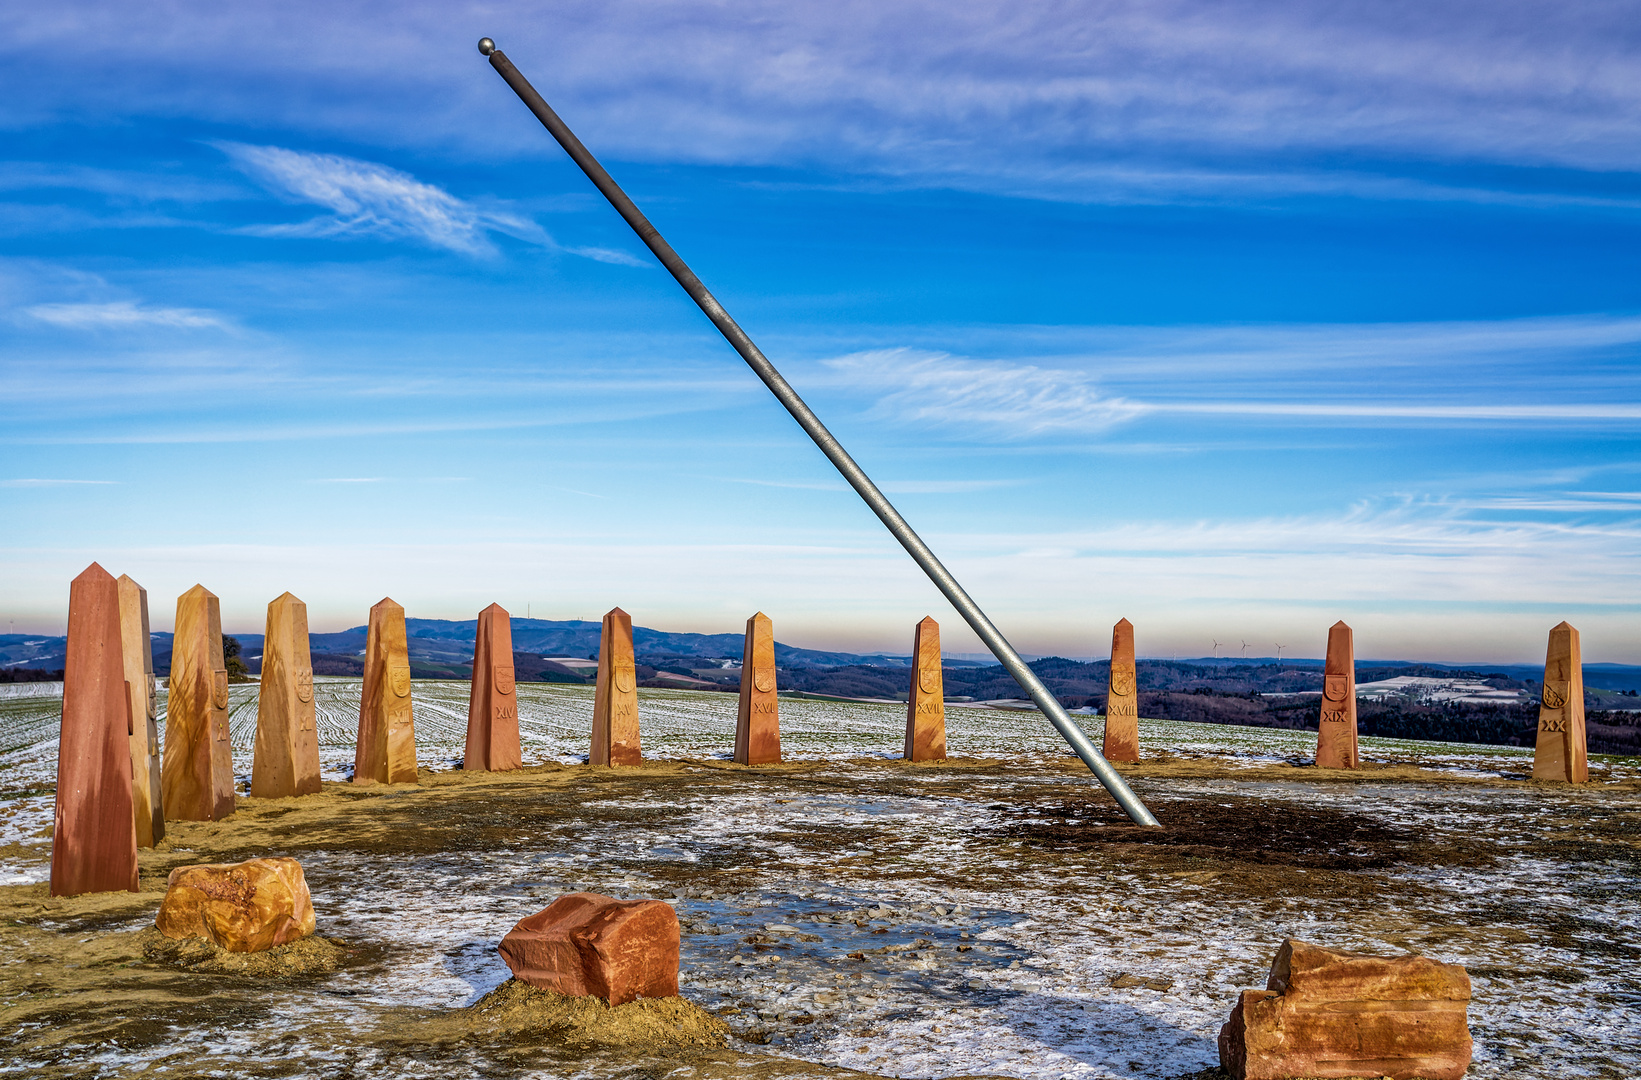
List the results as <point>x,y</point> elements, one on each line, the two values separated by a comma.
<point>123,315</point>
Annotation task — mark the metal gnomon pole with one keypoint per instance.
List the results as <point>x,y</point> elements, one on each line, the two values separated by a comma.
<point>824,439</point>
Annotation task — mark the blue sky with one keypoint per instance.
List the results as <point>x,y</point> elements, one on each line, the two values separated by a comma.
<point>1231,319</point>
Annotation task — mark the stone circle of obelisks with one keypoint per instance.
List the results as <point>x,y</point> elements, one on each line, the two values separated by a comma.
<point>286,762</point>
<point>386,751</point>
<point>94,837</point>
<point>1122,699</point>
<point>137,648</point>
<point>197,775</point>
<point>492,702</point>
<point>1336,731</point>
<point>615,696</point>
<point>926,701</point>
<point>758,722</point>
<point>1561,752</point>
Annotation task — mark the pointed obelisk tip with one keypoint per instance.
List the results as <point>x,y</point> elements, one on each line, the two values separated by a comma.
<point>486,46</point>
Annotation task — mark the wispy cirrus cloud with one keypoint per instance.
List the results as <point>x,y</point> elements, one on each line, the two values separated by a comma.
<point>944,389</point>
<point>40,482</point>
<point>369,199</point>
<point>122,315</point>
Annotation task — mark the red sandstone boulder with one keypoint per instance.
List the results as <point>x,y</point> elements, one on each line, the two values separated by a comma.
<point>242,907</point>
<point>1331,1014</point>
<point>585,943</point>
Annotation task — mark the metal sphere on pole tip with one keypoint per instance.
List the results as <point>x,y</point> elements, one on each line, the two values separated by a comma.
<point>486,46</point>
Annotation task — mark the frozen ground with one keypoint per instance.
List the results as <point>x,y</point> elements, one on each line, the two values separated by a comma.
<point>910,922</point>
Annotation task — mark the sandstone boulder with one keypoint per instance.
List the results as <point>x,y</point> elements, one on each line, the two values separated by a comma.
<point>588,944</point>
<point>241,907</point>
<point>1331,1014</point>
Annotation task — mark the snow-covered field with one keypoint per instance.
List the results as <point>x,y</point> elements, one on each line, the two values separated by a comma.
<point>992,958</point>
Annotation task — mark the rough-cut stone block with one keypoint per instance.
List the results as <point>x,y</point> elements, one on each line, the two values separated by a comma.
<point>926,703</point>
<point>585,943</point>
<point>492,700</point>
<point>1561,752</point>
<point>1122,701</point>
<point>1329,1014</point>
<point>615,698</point>
<point>138,651</point>
<point>758,723</point>
<point>386,750</point>
<point>94,837</point>
<point>242,907</point>
<point>1336,731</point>
<point>286,761</point>
<point>198,772</point>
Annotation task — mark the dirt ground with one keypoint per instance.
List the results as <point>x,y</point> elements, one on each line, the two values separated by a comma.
<point>85,989</point>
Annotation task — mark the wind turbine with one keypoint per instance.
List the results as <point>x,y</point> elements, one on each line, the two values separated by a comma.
<point>1244,650</point>
<point>1279,649</point>
<point>1216,648</point>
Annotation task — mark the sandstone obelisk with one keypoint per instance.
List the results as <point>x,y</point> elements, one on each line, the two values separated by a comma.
<point>758,723</point>
<point>615,700</point>
<point>1122,699</point>
<point>492,703</point>
<point>287,742</point>
<point>138,651</point>
<point>198,772</point>
<point>386,752</point>
<point>1336,731</point>
<point>1561,752</point>
<point>926,701</point>
<point>94,837</point>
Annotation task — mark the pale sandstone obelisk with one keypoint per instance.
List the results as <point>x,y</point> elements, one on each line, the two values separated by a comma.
<point>1122,699</point>
<point>386,751</point>
<point>287,742</point>
<point>94,837</point>
<point>926,701</point>
<point>758,723</point>
<point>197,776</point>
<point>492,702</point>
<point>1561,752</point>
<point>1336,731</point>
<point>138,651</point>
<point>615,700</point>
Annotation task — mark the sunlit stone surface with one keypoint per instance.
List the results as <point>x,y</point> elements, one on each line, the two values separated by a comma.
<point>926,703</point>
<point>492,705</point>
<point>615,698</point>
<point>287,744</point>
<point>1561,752</point>
<point>1328,1014</point>
<point>758,723</point>
<point>198,772</point>
<point>386,750</point>
<point>138,651</point>
<point>1336,733</point>
<point>243,907</point>
<point>94,840</point>
<point>1122,708</point>
<point>586,943</point>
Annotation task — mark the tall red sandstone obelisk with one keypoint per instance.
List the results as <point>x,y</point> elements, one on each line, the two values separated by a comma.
<point>615,700</point>
<point>197,776</point>
<point>1561,752</point>
<point>758,723</point>
<point>287,741</point>
<point>1336,732</point>
<point>138,651</point>
<point>926,701</point>
<point>1122,699</point>
<point>386,752</point>
<point>93,837</point>
<point>492,702</point>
